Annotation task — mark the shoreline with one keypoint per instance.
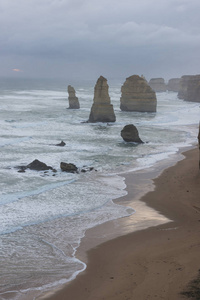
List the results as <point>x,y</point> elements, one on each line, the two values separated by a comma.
<point>106,275</point>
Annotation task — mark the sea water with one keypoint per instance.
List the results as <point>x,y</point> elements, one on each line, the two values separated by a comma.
<point>44,215</point>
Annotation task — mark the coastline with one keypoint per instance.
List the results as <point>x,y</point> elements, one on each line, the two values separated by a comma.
<point>156,262</point>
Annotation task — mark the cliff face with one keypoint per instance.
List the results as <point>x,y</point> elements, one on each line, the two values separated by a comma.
<point>158,84</point>
<point>199,144</point>
<point>137,95</point>
<point>102,110</point>
<point>190,88</point>
<point>174,85</point>
<point>73,100</point>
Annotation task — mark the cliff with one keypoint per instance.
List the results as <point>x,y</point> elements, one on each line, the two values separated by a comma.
<point>137,95</point>
<point>158,84</point>
<point>102,110</point>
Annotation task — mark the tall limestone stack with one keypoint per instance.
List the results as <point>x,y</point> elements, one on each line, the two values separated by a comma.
<point>174,85</point>
<point>137,95</point>
<point>190,88</point>
<point>158,84</point>
<point>73,100</point>
<point>102,110</point>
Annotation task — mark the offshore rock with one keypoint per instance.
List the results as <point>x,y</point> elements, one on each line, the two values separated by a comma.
<point>68,167</point>
<point>102,110</point>
<point>158,84</point>
<point>174,85</point>
<point>130,134</point>
<point>137,95</point>
<point>73,100</point>
<point>37,166</point>
<point>190,88</point>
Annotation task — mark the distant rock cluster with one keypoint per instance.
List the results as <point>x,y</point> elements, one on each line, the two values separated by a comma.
<point>159,85</point>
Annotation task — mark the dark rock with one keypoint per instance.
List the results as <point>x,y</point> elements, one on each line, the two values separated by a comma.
<point>39,166</point>
<point>70,168</point>
<point>61,144</point>
<point>35,165</point>
<point>190,88</point>
<point>130,134</point>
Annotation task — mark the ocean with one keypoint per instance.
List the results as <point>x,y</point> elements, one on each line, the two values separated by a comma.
<point>44,215</point>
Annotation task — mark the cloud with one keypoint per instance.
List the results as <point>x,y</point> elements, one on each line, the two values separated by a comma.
<point>17,70</point>
<point>89,30</point>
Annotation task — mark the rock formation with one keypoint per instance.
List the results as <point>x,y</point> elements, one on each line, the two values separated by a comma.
<point>158,84</point>
<point>130,134</point>
<point>137,95</point>
<point>73,100</point>
<point>190,88</point>
<point>102,110</point>
<point>174,85</point>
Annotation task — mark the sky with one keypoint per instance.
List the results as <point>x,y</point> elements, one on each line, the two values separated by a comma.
<point>88,38</point>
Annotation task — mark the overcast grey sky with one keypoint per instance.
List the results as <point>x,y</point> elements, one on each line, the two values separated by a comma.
<point>88,38</point>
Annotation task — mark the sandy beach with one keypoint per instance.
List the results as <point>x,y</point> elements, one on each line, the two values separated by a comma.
<point>155,263</point>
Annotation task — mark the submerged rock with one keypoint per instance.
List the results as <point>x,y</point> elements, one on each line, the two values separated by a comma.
<point>73,100</point>
<point>61,144</point>
<point>158,84</point>
<point>137,95</point>
<point>130,134</point>
<point>102,110</point>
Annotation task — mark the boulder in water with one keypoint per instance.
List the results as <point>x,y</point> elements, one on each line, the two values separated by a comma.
<point>130,134</point>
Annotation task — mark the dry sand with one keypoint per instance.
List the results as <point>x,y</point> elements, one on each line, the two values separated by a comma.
<point>155,263</point>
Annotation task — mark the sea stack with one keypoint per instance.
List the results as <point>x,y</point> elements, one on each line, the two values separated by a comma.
<point>174,85</point>
<point>137,95</point>
<point>158,84</point>
<point>102,110</point>
<point>73,100</point>
<point>190,88</point>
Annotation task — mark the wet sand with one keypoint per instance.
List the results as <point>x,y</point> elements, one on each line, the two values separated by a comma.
<point>154,263</point>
